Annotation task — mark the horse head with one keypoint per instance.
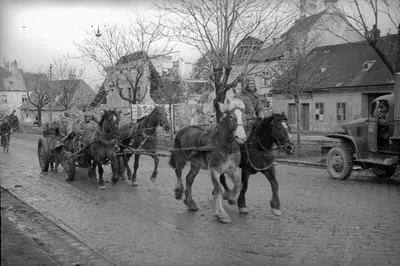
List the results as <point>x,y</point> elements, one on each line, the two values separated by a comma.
<point>278,131</point>
<point>109,123</point>
<point>233,112</point>
<point>162,118</point>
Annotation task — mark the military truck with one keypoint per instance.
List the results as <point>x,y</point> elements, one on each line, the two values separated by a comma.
<point>367,142</point>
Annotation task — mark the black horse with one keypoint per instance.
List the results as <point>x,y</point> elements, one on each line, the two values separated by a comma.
<point>257,156</point>
<point>101,146</point>
<point>142,135</point>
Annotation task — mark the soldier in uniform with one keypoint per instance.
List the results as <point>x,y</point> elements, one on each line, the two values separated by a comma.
<point>5,128</point>
<point>253,107</point>
<point>66,125</point>
<point>251,101</point>
<point>89,123</point>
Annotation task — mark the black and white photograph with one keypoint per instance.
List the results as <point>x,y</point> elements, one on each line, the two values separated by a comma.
<point>200,132</point>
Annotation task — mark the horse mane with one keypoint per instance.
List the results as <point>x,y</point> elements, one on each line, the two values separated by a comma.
<point>235,103</point>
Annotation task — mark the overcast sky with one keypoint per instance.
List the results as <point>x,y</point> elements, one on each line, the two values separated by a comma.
<point>34,32</point>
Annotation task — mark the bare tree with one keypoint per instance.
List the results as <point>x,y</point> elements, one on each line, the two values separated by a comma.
<point>66,75</point>
<point>296,74</point>
<point>37,85</point>
<point>124,53</point>
<point>366,17</point>
<point>217,28</point>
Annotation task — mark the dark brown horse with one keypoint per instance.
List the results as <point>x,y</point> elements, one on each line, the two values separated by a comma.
<point>257,156</point>
<point>102,146</point>
<point>142,135</point>
<point>216,149</point>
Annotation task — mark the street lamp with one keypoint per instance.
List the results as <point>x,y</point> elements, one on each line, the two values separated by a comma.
<point>97,33</point>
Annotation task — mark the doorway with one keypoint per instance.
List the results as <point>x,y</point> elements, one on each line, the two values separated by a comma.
<point>305,117</point>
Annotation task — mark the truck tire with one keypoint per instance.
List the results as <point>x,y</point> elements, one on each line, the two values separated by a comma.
<point>384,171</point>
<point>339,161</point>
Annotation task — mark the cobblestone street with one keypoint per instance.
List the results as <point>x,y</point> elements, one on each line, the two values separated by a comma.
<point>324,222</point>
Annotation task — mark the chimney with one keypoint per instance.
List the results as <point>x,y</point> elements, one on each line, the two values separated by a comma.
<point>14,67</point>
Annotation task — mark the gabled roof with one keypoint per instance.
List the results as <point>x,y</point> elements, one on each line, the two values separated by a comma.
<point>300,29</point>
<point>132,57</point>
<point>347,64</point>
<point>81,93</point>
<point>352,64</point>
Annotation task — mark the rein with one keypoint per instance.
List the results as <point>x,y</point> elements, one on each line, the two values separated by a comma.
<point>277,142</point>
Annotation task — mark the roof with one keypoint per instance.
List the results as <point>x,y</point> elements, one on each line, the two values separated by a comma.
<point>296,32</point>
<point>100,98</point>
<point>131,58</point>
<point>346,64</point>
<point>11,82</point>
<point>80,91</point>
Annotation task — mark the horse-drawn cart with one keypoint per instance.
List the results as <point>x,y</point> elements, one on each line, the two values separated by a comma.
<point>52,152</point>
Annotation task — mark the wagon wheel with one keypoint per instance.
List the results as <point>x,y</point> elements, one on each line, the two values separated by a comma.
<point>68,163</point>
<point>43,154</point>
<point>339,161</point>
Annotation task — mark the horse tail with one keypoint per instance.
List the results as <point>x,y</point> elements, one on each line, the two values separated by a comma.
<point>172,159</point>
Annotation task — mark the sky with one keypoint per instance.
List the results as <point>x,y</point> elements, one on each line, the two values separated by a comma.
<point>34,32</point>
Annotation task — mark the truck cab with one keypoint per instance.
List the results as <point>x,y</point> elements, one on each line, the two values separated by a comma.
<point>372,142</point>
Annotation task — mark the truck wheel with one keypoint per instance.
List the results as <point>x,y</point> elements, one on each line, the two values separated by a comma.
<point>43,154</point>
<point>384,171</point>
<point>339,161</point>
<point>68,163</point>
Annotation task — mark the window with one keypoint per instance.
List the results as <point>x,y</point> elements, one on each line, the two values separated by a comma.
<point>24,98</point>
<point>4,98</point>
<point>291,114</point>
<point>319,111</point>
<point>265,80</point>
<point>341,111</point>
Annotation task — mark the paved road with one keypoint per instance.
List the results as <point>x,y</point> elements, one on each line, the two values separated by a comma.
<point>354,222</point>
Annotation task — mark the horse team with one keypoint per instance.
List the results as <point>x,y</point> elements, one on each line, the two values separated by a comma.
<point>225,149</point>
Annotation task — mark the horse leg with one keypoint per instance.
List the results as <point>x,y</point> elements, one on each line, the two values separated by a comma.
<point>102,185</point>
<point>57,153</point>
<point>135,167</point>
<point>222,180</point>
<point>242,196</point>
<point>232,195</point>
<point>155,170</point>
<point>275,202</point>
<point>223,217</point>
<point>126,164</point>
<point>92,171</point>
<point>115,169</point>
<point>121,167</point>
<point>189,202</point>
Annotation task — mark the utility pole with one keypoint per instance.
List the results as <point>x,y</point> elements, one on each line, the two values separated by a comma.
<point>51,98</point>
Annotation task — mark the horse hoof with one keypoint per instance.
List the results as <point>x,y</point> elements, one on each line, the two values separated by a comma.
<point>123,178</point>
<point>178,193</point>
<point>134,183</point>
<point>224,219</point>
<point>244,210</point>
<point>103,187</point>
<point>276,212</point>
<point>191,205</point>
<point>114,181</point>
<point>153,179</point>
